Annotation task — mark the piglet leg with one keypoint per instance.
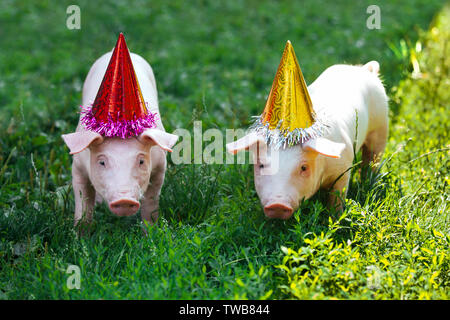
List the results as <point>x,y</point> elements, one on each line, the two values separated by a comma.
<point>374,146</point>
<point>338,192</point>
<point>150,202</point>
<point>84,197</point>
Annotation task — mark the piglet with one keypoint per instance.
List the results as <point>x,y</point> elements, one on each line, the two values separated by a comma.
<point>126,173</point>
<point>354,102</point>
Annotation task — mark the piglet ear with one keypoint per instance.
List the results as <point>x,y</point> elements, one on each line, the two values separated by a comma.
<point>325,147</point>
<point>372,66</point>
<point>78,141</point>
<point>160,138</point>
<point>245,143</point>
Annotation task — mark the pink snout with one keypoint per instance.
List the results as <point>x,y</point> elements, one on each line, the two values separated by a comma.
<point>124,207</point>
<point>278,211</point>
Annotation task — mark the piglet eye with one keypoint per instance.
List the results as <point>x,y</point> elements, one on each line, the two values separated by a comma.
<point>261,166</point>
<point>141,161</point>
<point>304,168</point>
<point>102,163</point>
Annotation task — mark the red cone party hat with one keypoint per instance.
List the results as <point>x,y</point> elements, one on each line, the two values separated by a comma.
<point>119,109</point>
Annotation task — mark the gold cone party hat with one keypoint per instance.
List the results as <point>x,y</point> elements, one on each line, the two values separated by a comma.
<point>288,117</point>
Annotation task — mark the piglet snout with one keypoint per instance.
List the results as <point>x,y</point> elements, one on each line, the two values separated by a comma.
<point>124,207</point>
<point>278,211</point>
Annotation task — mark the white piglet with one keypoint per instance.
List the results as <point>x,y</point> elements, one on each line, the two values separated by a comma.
<point>126,173</point>
<point>353,101</point>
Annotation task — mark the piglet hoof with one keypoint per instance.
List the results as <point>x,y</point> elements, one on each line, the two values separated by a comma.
<point>335,204</point>
<point>83,227</point>
<point>149,221</point>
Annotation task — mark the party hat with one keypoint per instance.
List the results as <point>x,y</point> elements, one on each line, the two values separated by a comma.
<point>288,117</point>
<point>119,109</point>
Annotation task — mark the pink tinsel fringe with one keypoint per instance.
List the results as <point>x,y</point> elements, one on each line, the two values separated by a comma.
<point>123,129</point>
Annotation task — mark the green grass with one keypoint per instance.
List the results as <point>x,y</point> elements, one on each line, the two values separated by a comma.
<point>216,63</point>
